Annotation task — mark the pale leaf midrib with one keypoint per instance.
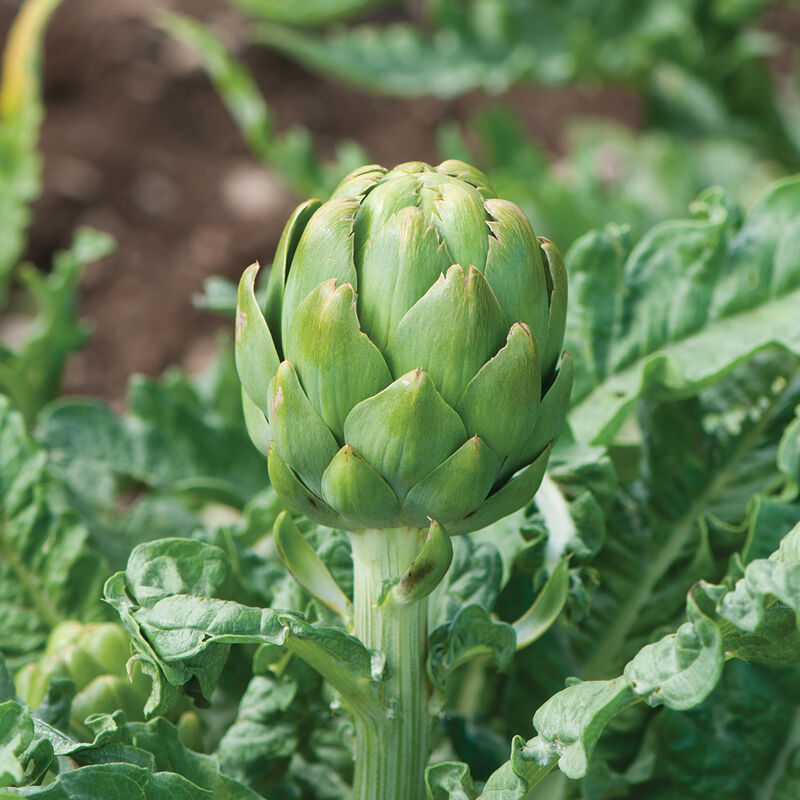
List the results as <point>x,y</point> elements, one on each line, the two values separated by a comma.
<point>604,657</point>
<point>625,382</point>
<point>767,788</point>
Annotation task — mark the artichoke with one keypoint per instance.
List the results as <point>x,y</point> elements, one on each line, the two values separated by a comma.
<point>94,656</point>
<point>406,362</point>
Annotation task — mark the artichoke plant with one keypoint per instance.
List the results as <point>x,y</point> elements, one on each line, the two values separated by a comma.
<point>404,372</point>
<point>406,363</point>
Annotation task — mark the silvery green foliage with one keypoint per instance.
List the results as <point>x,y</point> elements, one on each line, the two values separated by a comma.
<point>673,672</point>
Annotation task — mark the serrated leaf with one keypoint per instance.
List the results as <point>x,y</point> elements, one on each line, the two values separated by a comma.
<point>120,781</point>
<point>702,461</point>
<point>170,439</point>
<point>738,737</point>
<point>474,577</point>
<point>680,670</point>
<point>760,614</point>
<point>31,375</point>
<point>471,633</point>
<point>185,630</point>
<point>449,781</point>
<point>672,350</point>
<point>49,568</point>
<point>398,60</point>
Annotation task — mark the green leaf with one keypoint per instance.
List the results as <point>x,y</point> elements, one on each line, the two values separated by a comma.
<point>702,460</point>
<point>171,438</point>
<point>396,60</point>
<point>570,723</point>
<point>471,633</point>
<point>702,71</point>
<point>741,736</point>
<point>49,566</point>
<point>760,614</point>
<point>161,738</point>
<point>527,766</point>
<point>654,345</point>
<point>770,520</point>
<point>449,781</point>
<point>120,781</point>
<point>218,296</point>
<point>169,601</point>
<point>16,734</point>
<point>260,743</point>
<point>313,13</point>
<point>681,669</point>
<point>608,175</point>
<point>474,578</point>
<point>31,375</point>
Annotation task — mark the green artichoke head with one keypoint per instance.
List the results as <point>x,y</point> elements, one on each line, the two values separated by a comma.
<point>406,362</point>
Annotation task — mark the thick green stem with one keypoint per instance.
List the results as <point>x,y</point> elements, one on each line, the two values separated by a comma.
<point>391,755</point>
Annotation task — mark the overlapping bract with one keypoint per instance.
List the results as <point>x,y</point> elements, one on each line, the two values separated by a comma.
<point>405,365</point>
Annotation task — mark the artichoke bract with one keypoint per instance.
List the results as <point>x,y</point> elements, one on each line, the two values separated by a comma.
<point>406,363</point>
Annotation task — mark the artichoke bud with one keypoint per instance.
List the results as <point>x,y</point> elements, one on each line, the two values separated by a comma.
<point>93,656</point>
<point>407,364</point>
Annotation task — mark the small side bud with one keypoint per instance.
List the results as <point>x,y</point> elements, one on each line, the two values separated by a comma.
<point>426,570</point>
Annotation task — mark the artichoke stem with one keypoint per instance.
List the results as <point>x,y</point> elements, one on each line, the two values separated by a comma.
<point>390,758</point>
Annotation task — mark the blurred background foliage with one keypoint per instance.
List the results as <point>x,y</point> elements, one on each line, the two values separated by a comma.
<point>584,113</point>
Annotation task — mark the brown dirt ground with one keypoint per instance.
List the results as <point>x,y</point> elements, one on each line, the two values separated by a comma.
<point>137,143</point>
